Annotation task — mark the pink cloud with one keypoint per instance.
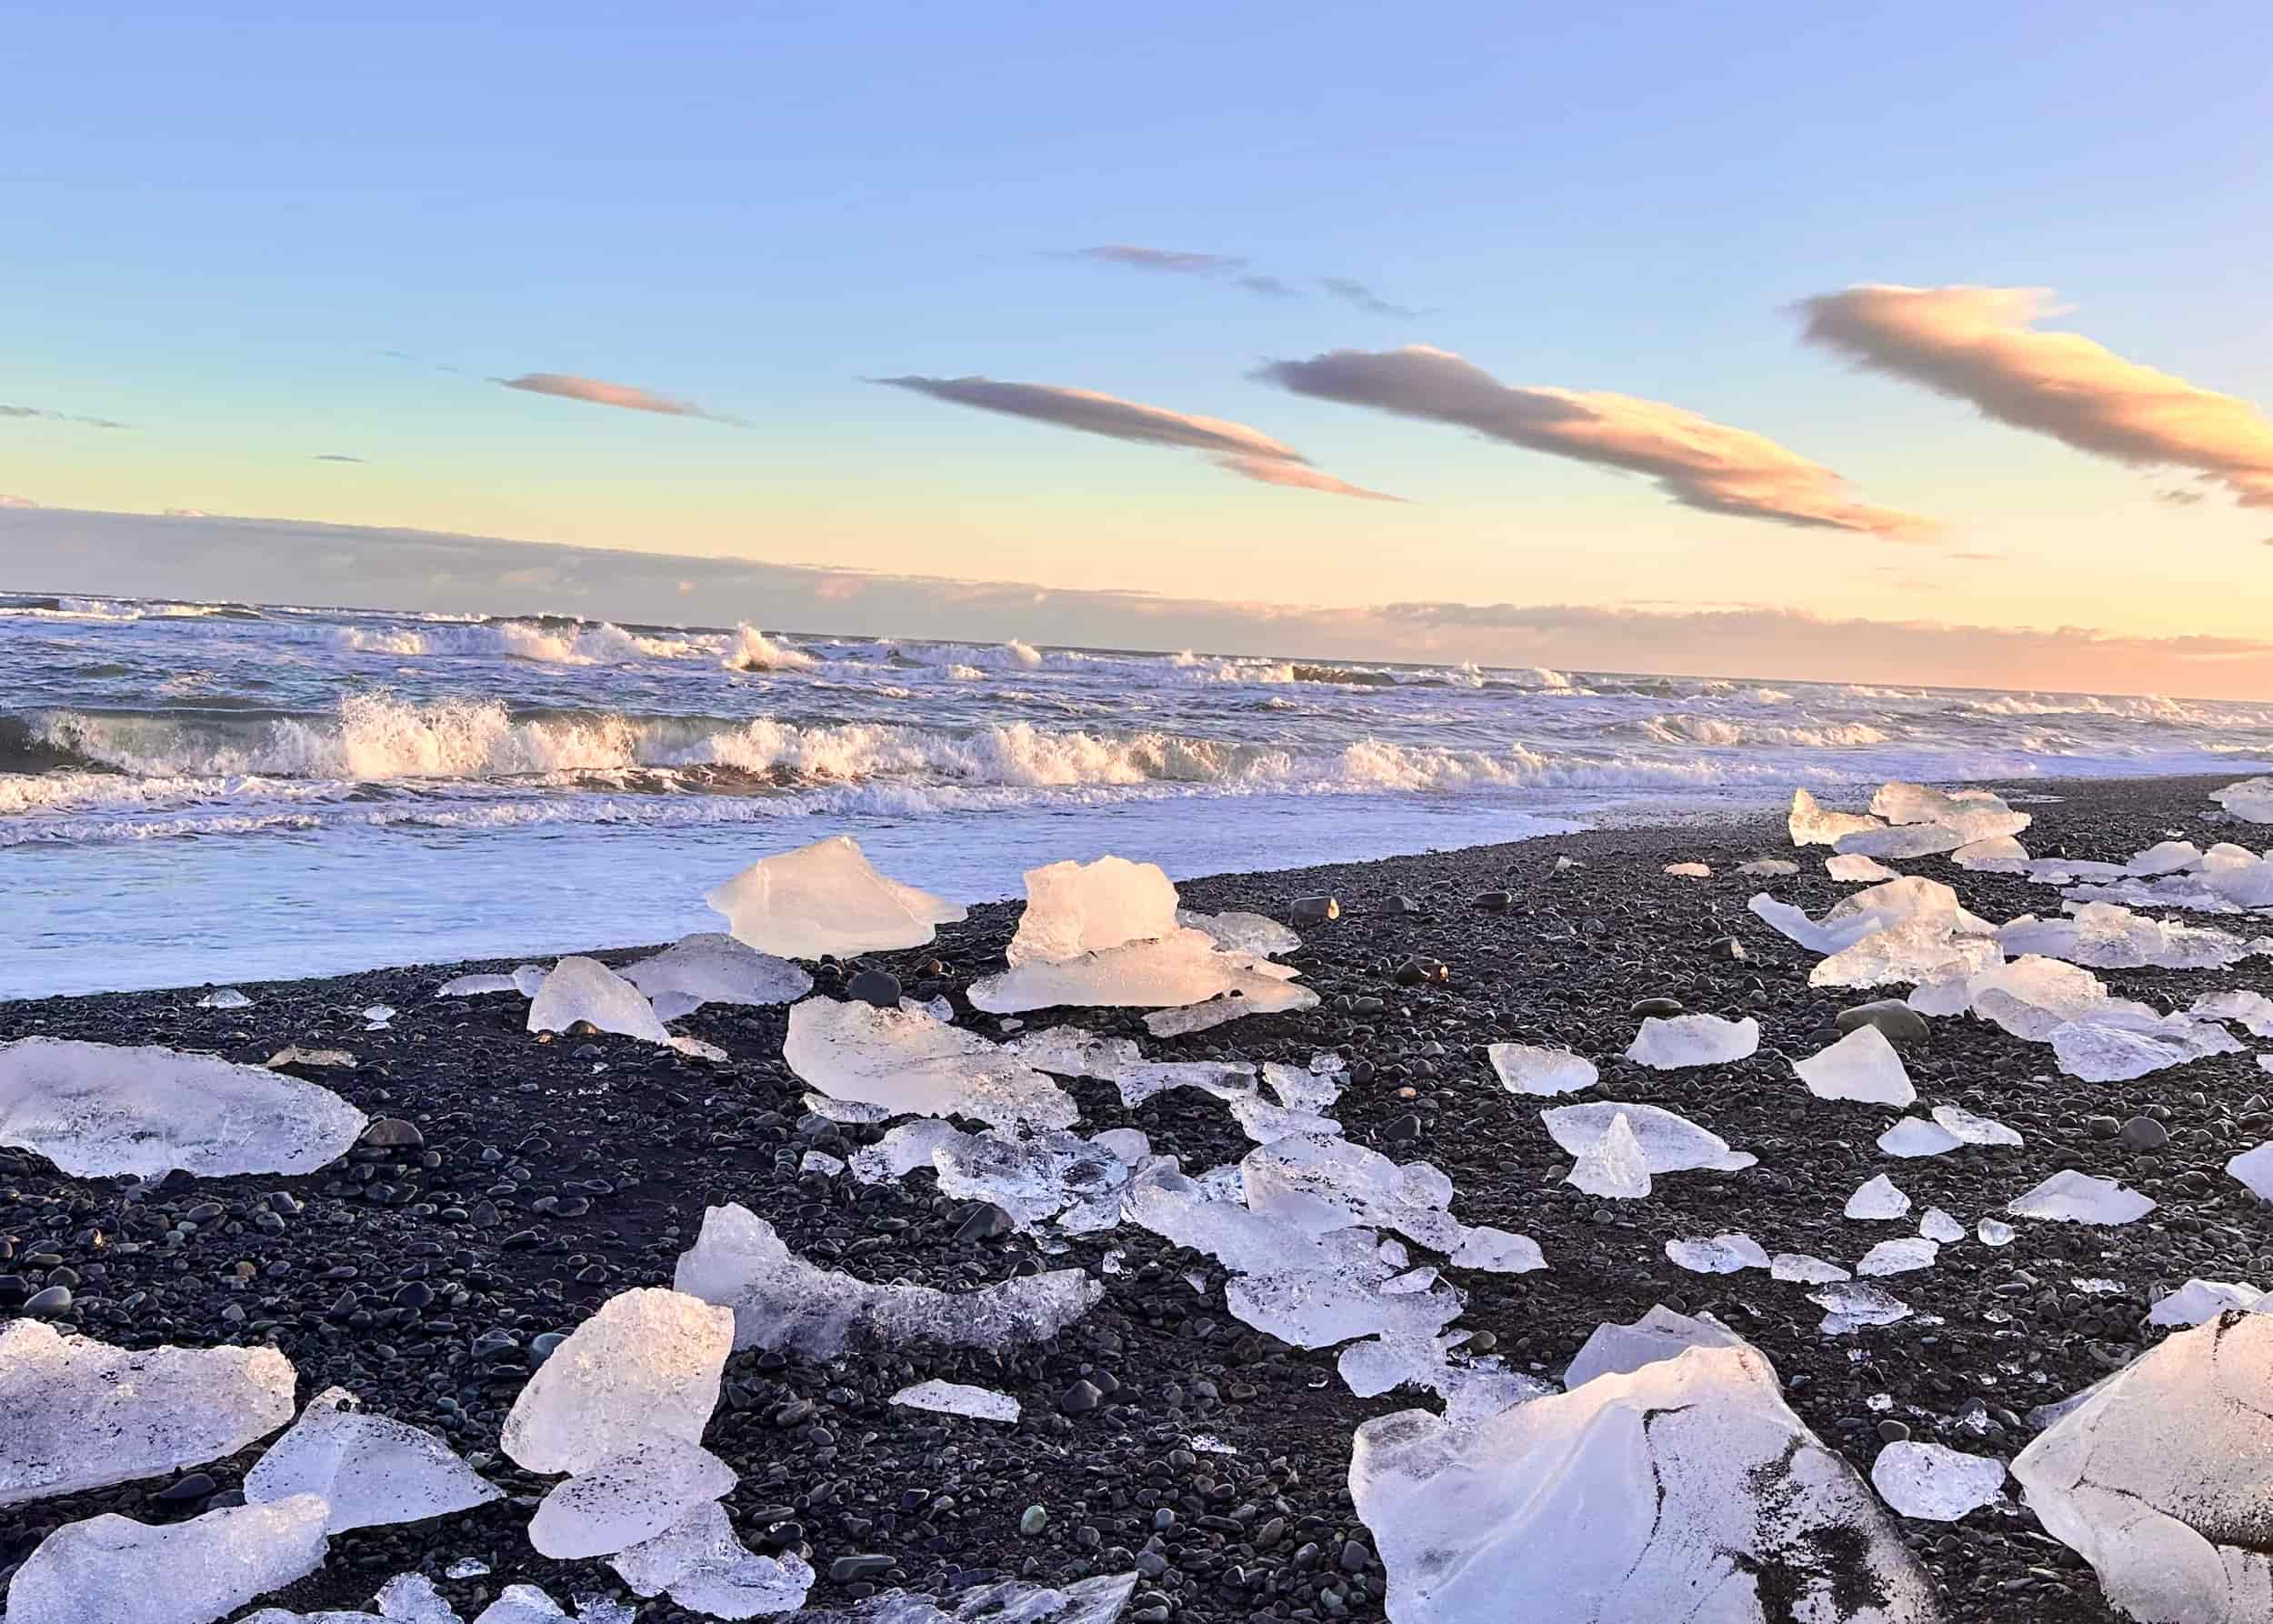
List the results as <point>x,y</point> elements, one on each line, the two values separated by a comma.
<point>17,502</point>
<point>600,392</point>
<point>1978,345</point>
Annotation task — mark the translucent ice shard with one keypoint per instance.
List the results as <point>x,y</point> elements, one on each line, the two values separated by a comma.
<point>1907,955</point>
<point>367,1468</point>
<point>1689,1477</point>
<point>1803,1270</point>
<point>1671,1143</point>
<point>1877,1199</point>
<point>1070,1051</point>
<point>1915,1135</point>
<point>1917,840</point>
<point>647,1365</point>
<point>2105,935</point>
<point>780,1300</point>
<point>1660,1334</point>
<point>712,967</point>
<point>468,987</point>
<point>707,1570</point>
<point>1851,866</point>
<point>1169,973</point>
<point>1666,1043</point>
<point>1898,1257</point>
<point>585,990</point>
<point>224,998</point>
<point>2165,856</point>
<point>1497,1251</point>
<point>1994,1232</point>
<point>906,1060</point>
<point>1933,1483</point>
<point>1937,1225</point>
<point>1998,854</point>
<point>2253,1010</point>
<point>2119,1041</point>
<point>1970,1129</point>
<point>2199,1300</point>
<point>110,1570</point>
<point>2156,1477</point>
<point>2250,800</point>
<point>2080,1199</point>
<point>628,1498</point>
<point>826,898</point>
<point>1810,825</point>
<point>1689,870</point>
<point>956,1399</point>
<point>1862,1067</point>
<point>1613,1167</point>
<point>99,1110</point>
<point>1073,908</point>
<point>1242,933</point>
<point>1525,1068</point>
<point>1722,1255</point>
<point>1321,1183</point>
<point>78,1414</point>
<point>1851,1306</point>
<point>2033,995</point>
<point>2254,1168</point>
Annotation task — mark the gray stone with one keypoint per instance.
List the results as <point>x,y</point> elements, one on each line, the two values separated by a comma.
<point>1314,910</point>
<point>1898,1023</point>
<point>393,1132</point>
<point>2143,1133</point>
<point>880,987</point>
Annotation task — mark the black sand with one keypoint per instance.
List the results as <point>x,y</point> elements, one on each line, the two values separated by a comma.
<point>546,1186</point>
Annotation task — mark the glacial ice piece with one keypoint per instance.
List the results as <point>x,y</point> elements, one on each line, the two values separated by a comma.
<point>1073,908</point>
<point>475,986</point>
<point>1994,1232</point>
<point>1905,955</point>
<point>2252,1010</point>
<point>1614,1167</point>
<point>1258,999</point>
<point>1850,866</point>
<point>2254,1168</point>
<point>1332,1289</point>
<point>367,1468</point>
<point>1671,1143</point>
<point>528,978</point>
<point>1312,1087</point>
<point>1497,1251</point>
<point>1070,1051</point>
<point>1970,1129</point>
<point>1689,870</point>
<point>779,1300</point>
<point>2121,1040</point>
<point>1915,1135</point>
<point>1877,1199</point>
<point>2156,1479</point>
<point>2076,1197</point>
<point>1612,1350</point>
<point>2251,800</point>
<point>2033,995</point>
<point>1473,1389</point>
<point>224,998</point>
<point>1935,1484</point>
<point>1769,867</point>
<point>1169,973</point>
<point>1998,854</point>
<point>826,898</point>
<point>588,990</point>
<point>1266,1123</point>
<point>647,1365</point>
<point>100,1111</point>
<point>1034,1175</point>
<point>2105,935</point>
<point>527,1604</point>
<point>1236,932</point>
<point>2199,1300</point>
<point>956,1399</point>
<point>1322,1183</point>
<point>1527,1068</point>
<point>1810,825</point>
<point>712,967</point>
<point>709,1570</point>
<point>1917,840</point>
<point>1722,1255</point>
<point>1852,1306</point>
<point>1937,1225</point>
<point>2165,856</point>
<point>78,1414</point>
<point>1898,801</point>
<point>906,1060</point>
<point>1668,1042</point>
<point>111,1569</point>
<point>1691,1480</point>
<point>1099,1600</point>
<point>628,1498</point>
<point>1898,1257</point>
<point>1861,1067</point>
<point>1801,1268</point>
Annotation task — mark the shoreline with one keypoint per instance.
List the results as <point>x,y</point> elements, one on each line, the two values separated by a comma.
<point>581,1168</point>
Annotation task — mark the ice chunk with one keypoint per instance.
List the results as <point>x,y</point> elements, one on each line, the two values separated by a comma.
<point>2165,856</point>
<point>712,967</point>
<point>1266,1123</point>
<point>1901,802</point>
<point>1473,1389</point>
<point>2255,1169</point>
<point>1803,1270</point>
<point>78,1414</point>
<point>1331,1289</point>
<point>1996,854</point>
<point>1689,870</point>
<point>1810,825</point>
<point>1722,1255</point>
<point>2253,1010</point>
<point>709,1570</point>
<point>1312,1087</point>
<point>647,1365</point>
<point>1851,1306</point>
<point>1907,955</point>
<point>782,1301</point>
<point>1970,1129</point>
<point>1497,1251</point>
<point>826,898</point>
<point>1099,1600</point>
<point>1851,866</point>
<point>2033,995</point>
<point>100,1111</point>
<point>1917,840</point>
<point>110,1570</point>
<point>1525,1068</point>
<point>906,1060</point>
<point>1663,1493</point>
<point>1660,1334</point>
<point>528,978</point>
<point>525,1604</point>
<point>1615,1165</point>
<point>955,1399</point>
<point>585,990</point>
<point>1237,932</point>
<point>2080,1199</point>
<point>1276,998</point>
<point>224,998</point>
<point>1933,1483</point>
<point>1877,1199</point>
<point>1862,1067</point>
<point>1183,968</point>
<point>2157,1478</point>
<point>469,987</point>
<point>694,1049</point>
<point>1666,1043</point>
<point>369,1469</point>
<point>2108,937</point>
<point>1994,1232</point>
<point>1070,1051</point>
<point>1939,1226</point>
<point>1320,1183</point>
<point>1671,1143</point>
<point>1898,1257</point>
<point>2121,1041</point>
<point>628,1498</point>
<point>1073,908</point>
<point>2199,1300</point>
<point>1773,867</point>
<point>1913,1135</point>
<point>1034,1175</point>
<point>2251,800</point>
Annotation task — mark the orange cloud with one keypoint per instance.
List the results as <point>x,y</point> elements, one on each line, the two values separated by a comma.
<point>1233,447</point>
<point>1976,345</point>
<point>600,392</point>
<point>1697,462</point>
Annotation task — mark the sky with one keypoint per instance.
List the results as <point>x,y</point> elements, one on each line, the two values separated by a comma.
<point>1795,316</point>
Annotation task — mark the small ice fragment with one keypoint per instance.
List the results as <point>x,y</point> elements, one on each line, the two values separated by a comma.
<point>1689,870</point>
<point>1933,1483</point>
<point>376,1017</point>
<point>2255,1169</point>
<point>694,1049</point>
<point>955,1399</point>
<point>1998,853</point>
<point>109,1570</point>
<point>1236,932</point>
<point>1497,1251</point>
<point>1412,1280</point>
<point>1970,1129</point>
<point>849,1110</point>
<point>1898,1257</point>
<point>527,978</point>
<point>826,898</point>
<point>1939,1226</point>
<point>466,1568</point>
<point>1660,1334</point>
<point>909,1062</point>
<point>2074,1196</point>
<point>1861,1067</point>
<point>468,987</point>
<point>709,1570</point>
<point>1670,1142</point>
<point>224,998</point>
<point>1851,866</point>
<point>1853,1305</point>
<point>821,1162</point>
<point>1877,1199</point>
<point>712,967</point>
<point>1810,825</point>
<point>1613,1167</point>
<point>628,1498</point>
<point>1722,1255</point>
<point>1915,1135</point>
<point>1527,1068</point>
<point>1776,868</point>
<point>2197,1300</point>
<point>1805,1270</point>
<point>1994,1232</point>
<point>588,990</point>
<point>1668,1042</point>
<point>368,1469</point>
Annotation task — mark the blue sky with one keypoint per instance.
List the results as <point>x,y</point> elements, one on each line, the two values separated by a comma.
<point>219,227</point>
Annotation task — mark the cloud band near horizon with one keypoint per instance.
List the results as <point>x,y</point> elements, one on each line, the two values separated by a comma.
<point>568,385</point>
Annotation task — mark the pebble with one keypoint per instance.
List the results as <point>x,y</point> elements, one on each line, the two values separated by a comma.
<point>2143,1133</point>
<point>393,1132</point>
<point>1035,1519</point>
<point>1080,1397</point>
<point>1663,1008</point>
<point>880,987</point>
<point>53,1299</point>
<point>1896,1022</point>
<point>1314,911</point>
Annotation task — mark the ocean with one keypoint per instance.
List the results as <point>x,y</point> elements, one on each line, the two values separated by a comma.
<point>199,793</point>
